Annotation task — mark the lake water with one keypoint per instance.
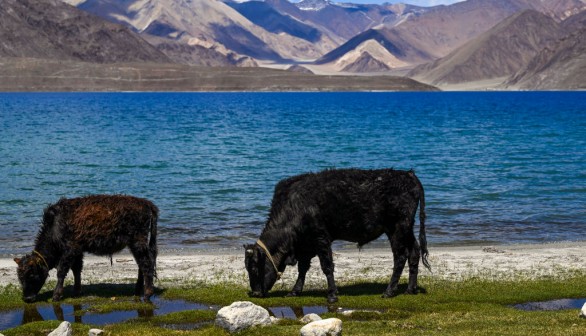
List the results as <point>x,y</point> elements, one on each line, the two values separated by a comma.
<point>496,167</point>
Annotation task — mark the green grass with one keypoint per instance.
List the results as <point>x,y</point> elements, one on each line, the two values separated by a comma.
<point>469,307</point>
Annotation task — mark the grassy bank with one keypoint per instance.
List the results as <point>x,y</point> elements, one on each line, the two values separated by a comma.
<point>472,306</point>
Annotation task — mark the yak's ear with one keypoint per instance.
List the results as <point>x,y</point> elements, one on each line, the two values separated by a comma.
<point>17,260</point>
<point>249,249</point>
<point>291,261</point>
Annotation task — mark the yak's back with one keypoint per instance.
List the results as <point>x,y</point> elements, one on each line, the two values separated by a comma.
<point>342,188</point>
<point>346,181</point>
<point>100,213</point>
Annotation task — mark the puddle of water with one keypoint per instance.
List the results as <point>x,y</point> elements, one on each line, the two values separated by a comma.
<point>551,305</point>
<point>79,314</point>
<point>76,313</point>
<point>298,312</point>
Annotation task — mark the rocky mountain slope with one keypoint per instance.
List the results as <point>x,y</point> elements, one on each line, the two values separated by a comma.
<point>499,52</point>
<point>437,32</point>
<point>559,66</point>
<point>343,21</point>
<point>51,29</point>
<point>469,40</point>
<point>213,24</point>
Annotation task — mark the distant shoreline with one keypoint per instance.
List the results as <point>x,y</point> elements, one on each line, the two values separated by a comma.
<point>42,75</point>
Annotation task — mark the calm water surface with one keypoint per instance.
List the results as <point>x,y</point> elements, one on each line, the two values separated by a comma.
<point>496,167</point>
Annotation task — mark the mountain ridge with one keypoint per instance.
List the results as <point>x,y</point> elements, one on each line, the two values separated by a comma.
<point>53,29</point>
<point>501,51</point>
<point>444,44</point>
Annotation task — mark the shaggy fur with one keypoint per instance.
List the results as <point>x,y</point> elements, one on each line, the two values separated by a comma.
<point>98,224</point>
<point>310,211</point>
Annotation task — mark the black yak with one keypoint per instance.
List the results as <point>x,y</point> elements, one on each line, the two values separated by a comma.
<point>310,211</point>
<point>98,224</point>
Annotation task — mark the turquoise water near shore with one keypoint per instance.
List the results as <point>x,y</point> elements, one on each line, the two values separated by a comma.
<point>497,167</point>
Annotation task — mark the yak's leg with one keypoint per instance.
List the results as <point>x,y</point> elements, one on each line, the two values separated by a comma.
<point>399,260</point>
<point>302,267</point>
<point>146,268</point>
<point>327,266</point>
<point>414,255</point>
<point>62,270</point>
<point>76,267</point>
<point>58,311</point>
<point>139,287</point>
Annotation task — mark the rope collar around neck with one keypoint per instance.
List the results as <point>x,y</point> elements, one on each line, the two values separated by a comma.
<point>262,246</point>
<point>42,258</point>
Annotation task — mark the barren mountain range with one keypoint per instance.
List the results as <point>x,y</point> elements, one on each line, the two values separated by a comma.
<point>560,65</point>
<point>517,44</point>
<point>55,30</point>
<point>498,52</point>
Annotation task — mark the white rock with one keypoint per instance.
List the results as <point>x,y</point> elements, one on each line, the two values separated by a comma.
<point>241,315</point>
<point>327,327</point>
<point>310,318</point>
<point>96,332</point>
<point>274,319</point>
<point>583,311</point>
<point>64,329</point>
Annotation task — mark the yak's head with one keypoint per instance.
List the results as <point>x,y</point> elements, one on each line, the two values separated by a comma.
<point>261,273</point>
<point>32,273</point>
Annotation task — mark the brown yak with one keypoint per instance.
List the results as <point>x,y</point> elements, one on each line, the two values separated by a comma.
<point>98,224</point>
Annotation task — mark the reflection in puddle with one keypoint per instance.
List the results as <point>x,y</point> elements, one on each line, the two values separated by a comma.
<point>299,312</point>
<point>551,305</point>
<point>77,313</point>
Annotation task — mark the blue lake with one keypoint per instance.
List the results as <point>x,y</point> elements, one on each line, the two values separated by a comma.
<point>497,167</point>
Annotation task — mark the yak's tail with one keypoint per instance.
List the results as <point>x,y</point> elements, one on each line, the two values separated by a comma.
<point>422,236</point>
<point>153,239</point>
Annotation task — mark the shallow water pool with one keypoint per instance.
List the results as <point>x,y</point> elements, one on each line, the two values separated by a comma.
<point>559,304</point>
<point>79,313</point>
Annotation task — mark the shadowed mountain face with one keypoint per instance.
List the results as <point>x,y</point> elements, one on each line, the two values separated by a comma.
<point>559,66</point>
<point>499,52</point>
<point>262,14</point>
<point>52,29</point>
<point>242,41</point>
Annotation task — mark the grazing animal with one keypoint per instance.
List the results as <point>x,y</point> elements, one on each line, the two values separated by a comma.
<point>98,224</point>
<point>310,211</point>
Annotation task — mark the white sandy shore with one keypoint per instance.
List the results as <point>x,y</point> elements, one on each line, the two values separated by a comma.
<point>492,262</point>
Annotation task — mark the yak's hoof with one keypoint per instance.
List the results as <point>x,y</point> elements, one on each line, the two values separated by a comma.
<point>412,291</point>
<point>29,299</point>
<point>332,299</point>
<point>147,295</point>
<point>293,294</point>
<point>256,294</point>
<point>390,294</point>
